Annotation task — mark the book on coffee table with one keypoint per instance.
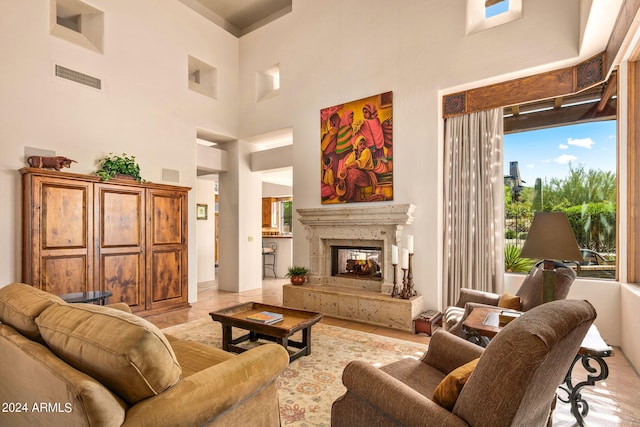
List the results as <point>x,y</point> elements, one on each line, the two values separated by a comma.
<point>265,317</point>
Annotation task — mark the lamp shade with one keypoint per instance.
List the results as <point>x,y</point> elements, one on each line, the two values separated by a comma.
<point>551,237</point>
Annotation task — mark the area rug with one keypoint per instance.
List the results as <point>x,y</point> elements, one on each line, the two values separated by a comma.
<point>308,387</point>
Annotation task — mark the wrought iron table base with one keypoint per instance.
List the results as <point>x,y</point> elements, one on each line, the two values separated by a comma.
<point>579,406</point>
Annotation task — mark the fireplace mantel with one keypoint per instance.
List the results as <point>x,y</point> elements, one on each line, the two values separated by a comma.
<point>362,215</point>
<point>364,225</point>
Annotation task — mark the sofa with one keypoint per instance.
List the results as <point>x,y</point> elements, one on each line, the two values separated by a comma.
<point>83,364</point>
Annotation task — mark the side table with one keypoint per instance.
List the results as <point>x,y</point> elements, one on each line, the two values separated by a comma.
<point>92,296</point>
<point>427,322</point>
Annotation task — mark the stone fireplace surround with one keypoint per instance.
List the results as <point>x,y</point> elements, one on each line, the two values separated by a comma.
<point>379,226</point>
<point>352,298</point>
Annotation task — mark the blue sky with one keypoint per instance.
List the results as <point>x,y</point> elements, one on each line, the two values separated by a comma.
<point>547,153</point>
<point>496,9</point>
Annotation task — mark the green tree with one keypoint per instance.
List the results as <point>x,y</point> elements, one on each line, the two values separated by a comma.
<point>588,197</point>
<point>579,187</point>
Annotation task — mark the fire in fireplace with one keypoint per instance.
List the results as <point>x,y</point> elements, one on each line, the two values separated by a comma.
<point>357,262</point>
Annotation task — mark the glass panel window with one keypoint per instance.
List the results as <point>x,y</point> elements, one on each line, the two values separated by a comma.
<point>286,221</point>
<point>570,169</point>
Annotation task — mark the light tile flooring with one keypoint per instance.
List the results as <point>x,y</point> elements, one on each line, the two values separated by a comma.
<point>613,402</point>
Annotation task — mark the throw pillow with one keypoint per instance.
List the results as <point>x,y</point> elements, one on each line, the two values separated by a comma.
<point>450,387</point>
<point>510,301</point>
<point>124,352</point>
<point>20,304</point>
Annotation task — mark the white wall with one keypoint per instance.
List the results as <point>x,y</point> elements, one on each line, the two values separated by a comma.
<point>240,240</point>
<point>332,51</point>
<point>205,232</point>
<point>630,315</point>
<point>144,109</point>
<point>276,190</point>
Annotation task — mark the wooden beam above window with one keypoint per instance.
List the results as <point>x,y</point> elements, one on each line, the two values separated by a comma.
<point>547,85</point>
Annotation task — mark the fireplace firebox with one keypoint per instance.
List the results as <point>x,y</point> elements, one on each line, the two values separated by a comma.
<point>361,262</point>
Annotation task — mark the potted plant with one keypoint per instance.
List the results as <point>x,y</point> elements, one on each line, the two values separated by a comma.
<point>122,166</point>
<point>297,274</point>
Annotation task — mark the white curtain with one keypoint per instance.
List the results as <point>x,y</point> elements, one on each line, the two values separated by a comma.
<point>474,204</point>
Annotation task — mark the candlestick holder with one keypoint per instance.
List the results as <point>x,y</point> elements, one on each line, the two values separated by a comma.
<point>407,281</point>
<point>404,283</point>
<point>394,291</point>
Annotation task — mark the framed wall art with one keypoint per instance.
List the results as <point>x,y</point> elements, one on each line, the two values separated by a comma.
<point>356,150</point>
<point>201,211</point>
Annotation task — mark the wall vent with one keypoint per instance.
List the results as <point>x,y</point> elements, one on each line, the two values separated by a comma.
<point>78,77</point>
<point>170,175</point>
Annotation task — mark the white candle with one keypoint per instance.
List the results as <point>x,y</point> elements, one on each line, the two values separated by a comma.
<point>405,259</point>
<point>410,243</point>
<point>394,254</point>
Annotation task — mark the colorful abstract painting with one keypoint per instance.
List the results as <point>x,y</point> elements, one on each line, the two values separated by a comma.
<point>357,150</point>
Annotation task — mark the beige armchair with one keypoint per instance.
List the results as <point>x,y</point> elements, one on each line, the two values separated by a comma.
<point>530,294</point>
<point>513,384</point>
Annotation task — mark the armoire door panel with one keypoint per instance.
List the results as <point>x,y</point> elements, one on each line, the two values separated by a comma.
<point>120,222</point>
<point>57,251</point>
<point>65,274</point>
<point>166,275</point>
<point>167,223</point>
<point>64,211</point>
<point>123,275</point>
<point>121,218</point>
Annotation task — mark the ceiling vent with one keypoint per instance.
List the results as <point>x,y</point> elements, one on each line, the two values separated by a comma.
<point>78,77</point>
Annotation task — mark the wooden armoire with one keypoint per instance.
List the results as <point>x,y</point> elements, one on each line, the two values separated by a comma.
<point>82,234</point>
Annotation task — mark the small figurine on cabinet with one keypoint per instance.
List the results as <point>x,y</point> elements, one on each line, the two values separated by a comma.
<point>56,162</point>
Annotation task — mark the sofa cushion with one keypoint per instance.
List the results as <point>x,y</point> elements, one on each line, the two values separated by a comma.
<point>31,373</point>
<point>121,350</point>
<point>20,304</point>
<point>450,387</point>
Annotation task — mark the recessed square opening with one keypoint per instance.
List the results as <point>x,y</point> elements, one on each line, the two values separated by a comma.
<point>485,14</point>
<point>202,77</point>
<point>78,23</point>
<point>268,82</point>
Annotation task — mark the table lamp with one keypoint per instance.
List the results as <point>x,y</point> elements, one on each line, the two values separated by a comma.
<point>550,238</point>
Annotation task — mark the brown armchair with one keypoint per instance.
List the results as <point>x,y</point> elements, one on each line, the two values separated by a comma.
<point>514,382</point>
<point>530,294</point>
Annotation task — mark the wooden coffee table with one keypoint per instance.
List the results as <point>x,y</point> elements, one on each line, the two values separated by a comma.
<point>294,321</point>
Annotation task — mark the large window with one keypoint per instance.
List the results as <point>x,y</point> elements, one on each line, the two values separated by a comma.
<point>571,169</point>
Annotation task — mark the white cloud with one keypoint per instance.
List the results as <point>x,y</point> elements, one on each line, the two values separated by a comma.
<point>530,166</point>
<point>582,142</point>
<point>563,146</point>
<point>564,159</point>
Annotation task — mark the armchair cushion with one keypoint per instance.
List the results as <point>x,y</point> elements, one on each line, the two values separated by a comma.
<point>509,301</point>
<point>530,291</point>
<point>121,350</point>
<point>450,387</point>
